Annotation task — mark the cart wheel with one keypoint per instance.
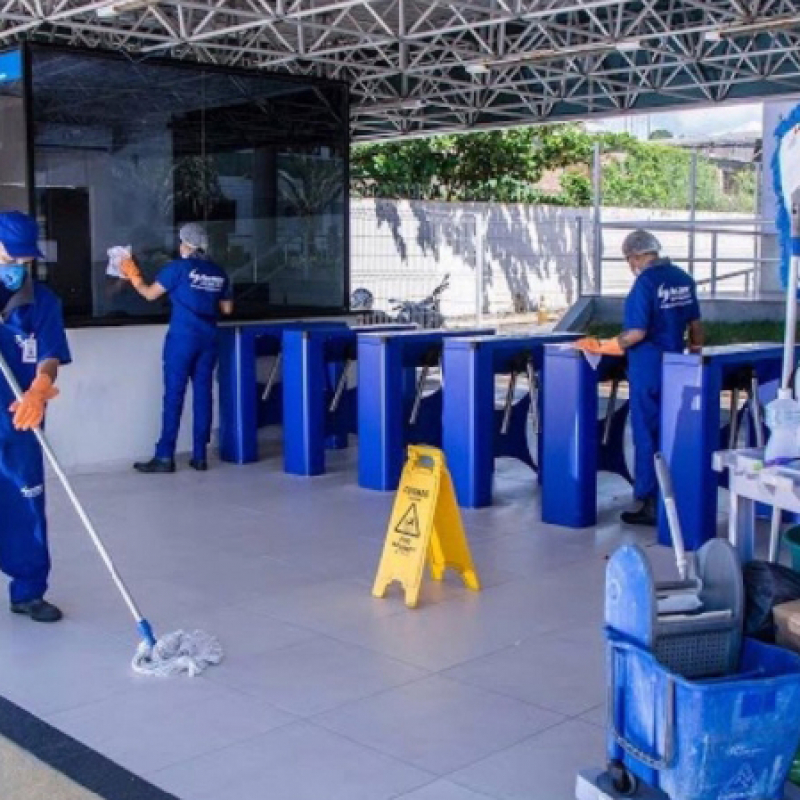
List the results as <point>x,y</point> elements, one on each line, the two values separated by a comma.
<point>623,780</point>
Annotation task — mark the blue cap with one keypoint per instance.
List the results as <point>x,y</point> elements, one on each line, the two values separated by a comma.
<point>19,234</point>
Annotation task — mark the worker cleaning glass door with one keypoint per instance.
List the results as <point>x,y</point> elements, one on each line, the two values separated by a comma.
<point>200,291</point>
<point>660,310</point>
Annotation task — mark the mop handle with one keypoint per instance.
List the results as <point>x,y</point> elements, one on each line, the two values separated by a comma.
<point>143,625</point>
<point>665,483</point>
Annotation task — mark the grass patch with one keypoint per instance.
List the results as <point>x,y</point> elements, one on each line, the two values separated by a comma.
<point>717,333</point>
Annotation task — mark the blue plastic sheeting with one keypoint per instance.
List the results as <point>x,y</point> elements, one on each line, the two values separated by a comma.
<point>783,221</point>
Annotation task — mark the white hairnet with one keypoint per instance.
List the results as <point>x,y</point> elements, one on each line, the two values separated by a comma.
<point>639,242</point>
<point>194,235</point>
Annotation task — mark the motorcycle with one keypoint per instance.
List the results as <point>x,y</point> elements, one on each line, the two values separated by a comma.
<point>425,313</point>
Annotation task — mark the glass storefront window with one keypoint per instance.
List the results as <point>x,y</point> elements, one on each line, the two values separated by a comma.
<point>13,134</point>
<point>127,151</point>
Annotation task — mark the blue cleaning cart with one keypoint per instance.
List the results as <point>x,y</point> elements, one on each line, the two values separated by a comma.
<point>730,738</point>
<point>695,712</point>
<point>670,737</point>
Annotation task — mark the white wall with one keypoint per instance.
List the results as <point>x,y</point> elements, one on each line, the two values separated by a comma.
<point>402,249</point>
<point>109,409</point>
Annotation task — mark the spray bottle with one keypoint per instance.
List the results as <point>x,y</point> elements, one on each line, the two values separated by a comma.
<point>783,419</point>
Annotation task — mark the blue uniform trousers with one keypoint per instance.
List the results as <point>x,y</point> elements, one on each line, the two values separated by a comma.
<point>187,356</point>
<point>24,555</point>
<point>645,406</point>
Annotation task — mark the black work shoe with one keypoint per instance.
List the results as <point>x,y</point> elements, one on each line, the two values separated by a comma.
<point>159,465</point>
<point>38,610</point>
<point>200,464</point>
<point>644,515</point>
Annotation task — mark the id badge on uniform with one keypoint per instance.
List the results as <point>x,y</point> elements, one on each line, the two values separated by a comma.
<point>29,351</point>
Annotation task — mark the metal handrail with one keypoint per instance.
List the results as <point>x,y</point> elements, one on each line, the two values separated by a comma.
<point>754,228</point>
<point>709,260</point>
<point>673,223</point>
<point>717,278</point>
<point>694,229</point>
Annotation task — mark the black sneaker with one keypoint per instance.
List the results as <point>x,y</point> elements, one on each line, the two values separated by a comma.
<point>38,610</point>
<point>200,464</point>
<point>155,465</point>
<point>644,515</point>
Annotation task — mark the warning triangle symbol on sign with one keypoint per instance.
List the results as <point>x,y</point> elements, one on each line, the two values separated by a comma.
<point>409,522</point>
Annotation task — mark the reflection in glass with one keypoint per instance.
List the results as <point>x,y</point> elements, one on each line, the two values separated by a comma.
<point>13,137</point>
<point>125,152</point>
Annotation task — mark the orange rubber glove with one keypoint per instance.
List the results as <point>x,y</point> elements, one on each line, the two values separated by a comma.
<point>605,347</point>
<point>29,411</point>
<point>131,272</point>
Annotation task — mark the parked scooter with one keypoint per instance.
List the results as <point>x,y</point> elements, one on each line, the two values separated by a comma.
<point>362,301</point>
<point>425,313</point>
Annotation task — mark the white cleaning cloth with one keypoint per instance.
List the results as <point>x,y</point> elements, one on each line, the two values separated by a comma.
<point>594,359</point>
<point>116,255</point>
<point>179,652</point>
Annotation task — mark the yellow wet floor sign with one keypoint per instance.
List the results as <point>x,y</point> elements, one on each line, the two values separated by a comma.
<point>425,526</point>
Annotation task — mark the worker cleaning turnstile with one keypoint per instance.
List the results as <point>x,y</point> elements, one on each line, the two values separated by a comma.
<point>658,310</point>
<point>696,709</point>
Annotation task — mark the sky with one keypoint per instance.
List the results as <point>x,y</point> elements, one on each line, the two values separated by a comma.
<point>744,118</point>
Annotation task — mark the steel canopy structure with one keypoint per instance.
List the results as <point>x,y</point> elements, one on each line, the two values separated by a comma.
<point>420,67</point>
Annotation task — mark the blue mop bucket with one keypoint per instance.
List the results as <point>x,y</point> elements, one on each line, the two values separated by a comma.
<point>731,738</point>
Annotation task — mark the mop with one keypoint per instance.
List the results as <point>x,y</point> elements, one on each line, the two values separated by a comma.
<point>176,653</point>
<point>682,596</point>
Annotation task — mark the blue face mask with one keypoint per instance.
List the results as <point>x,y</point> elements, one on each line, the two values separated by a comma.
<point>12,276</point>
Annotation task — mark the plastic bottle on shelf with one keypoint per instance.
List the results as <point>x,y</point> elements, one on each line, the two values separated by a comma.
<point>783,419</point>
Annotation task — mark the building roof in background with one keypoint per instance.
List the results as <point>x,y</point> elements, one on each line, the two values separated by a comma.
<point>719,140</point>
<point>744,148</point>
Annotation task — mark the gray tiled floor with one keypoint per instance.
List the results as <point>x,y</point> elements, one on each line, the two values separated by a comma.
<point>325,693</point>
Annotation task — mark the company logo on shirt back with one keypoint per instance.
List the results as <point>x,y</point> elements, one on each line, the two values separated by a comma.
<point>674,296</point>
<point>206,283</point>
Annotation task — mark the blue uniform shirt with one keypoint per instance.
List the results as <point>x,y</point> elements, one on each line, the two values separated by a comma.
<point>39,321</point>
<point>195,287</point>
<point>663,301</point>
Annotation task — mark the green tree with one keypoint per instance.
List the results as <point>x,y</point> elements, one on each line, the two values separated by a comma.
<point>648,176</point>
<point>660,133</point>
<point>507,167</point>
<point>479,166</point>
<point>576,189</point>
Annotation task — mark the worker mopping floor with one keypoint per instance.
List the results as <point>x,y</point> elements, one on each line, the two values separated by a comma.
<point>178,652</point>
<point>323,691</point>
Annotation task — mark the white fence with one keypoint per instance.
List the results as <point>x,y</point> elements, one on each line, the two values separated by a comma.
<point>506,259</point>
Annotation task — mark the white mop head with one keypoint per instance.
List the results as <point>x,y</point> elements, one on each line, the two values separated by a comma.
<point>179,652</point>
